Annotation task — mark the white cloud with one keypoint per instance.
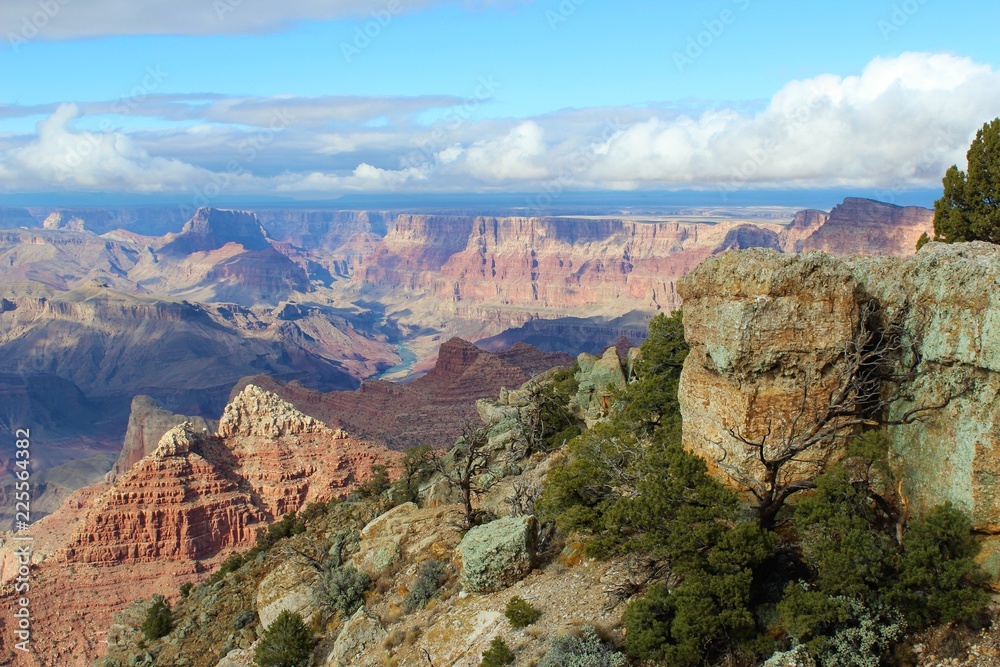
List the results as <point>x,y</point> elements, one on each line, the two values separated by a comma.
<point>509,158</point>
<point>899,123</point>
<point>61,158</point>
<point>902,120</point>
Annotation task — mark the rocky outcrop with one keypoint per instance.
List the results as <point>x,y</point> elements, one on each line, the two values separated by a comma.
<point>179,511</point>
<point>255,413</point>
<point>407,531</point>
<point>762,326</point>
<point>290,459</point>
<point>800,228</point>
<point>210,228</point>
<point>361,632</point>
<point>56,220</point>
<point>147,423</point>
<point>749,236</point>
<point>498,554</point>
<point>598,377</point>
<point>289,587</point>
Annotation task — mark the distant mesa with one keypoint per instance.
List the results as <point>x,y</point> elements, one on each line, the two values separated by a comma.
<point>57,220</point>
<point>868,227</point>
<point>210,229</point>
<point>749,236</point>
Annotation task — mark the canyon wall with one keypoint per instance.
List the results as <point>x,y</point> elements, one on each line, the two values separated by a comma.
<point>482,275</point>
<point>539,263</point>
<point>763,326</point>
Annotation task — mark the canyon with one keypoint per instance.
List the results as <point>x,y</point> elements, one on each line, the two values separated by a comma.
<point>195,479</point>
<point>98,306</point>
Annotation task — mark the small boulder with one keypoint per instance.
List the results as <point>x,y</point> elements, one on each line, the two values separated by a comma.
<point>360,633</point>
<point>498,554</point>
<point>290,586</point>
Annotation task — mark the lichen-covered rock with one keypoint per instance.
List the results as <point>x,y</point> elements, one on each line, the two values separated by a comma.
<point>597,377</point>
<point>760,324</point>
<point>359,634</point>
<point>289,587</point>
<point>498,554</point>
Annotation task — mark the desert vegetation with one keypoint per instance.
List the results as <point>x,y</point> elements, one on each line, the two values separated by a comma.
<point>840,573</point>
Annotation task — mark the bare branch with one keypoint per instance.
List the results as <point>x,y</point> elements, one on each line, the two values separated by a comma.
<point>873,366</point>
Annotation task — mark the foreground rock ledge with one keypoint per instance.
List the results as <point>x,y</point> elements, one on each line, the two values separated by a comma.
<point>761,323</point>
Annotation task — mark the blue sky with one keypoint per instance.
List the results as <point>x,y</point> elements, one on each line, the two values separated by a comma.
<point>285,98</point>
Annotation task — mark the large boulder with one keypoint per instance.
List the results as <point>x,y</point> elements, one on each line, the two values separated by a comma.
<point>406,530</point>
<point>498,554</point>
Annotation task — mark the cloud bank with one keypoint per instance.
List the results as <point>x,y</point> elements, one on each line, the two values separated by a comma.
<point>899,124</point>
<point>74,19</point>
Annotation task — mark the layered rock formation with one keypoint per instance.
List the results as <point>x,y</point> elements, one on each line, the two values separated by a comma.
<point>290,459</point>
<point>472,267</point>
<point>802,226</point>
<point>763,326</point>
<point>179,503</point>
<point>177,512</point>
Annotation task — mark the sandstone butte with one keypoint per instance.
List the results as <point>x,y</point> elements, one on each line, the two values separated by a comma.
<point>174,516</point>
<point>760,324</point>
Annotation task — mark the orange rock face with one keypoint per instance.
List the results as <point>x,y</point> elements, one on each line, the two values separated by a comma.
<point>174,515</point>
<point>178,503</point>
<point>289,458</point>
<point>539,262</point>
